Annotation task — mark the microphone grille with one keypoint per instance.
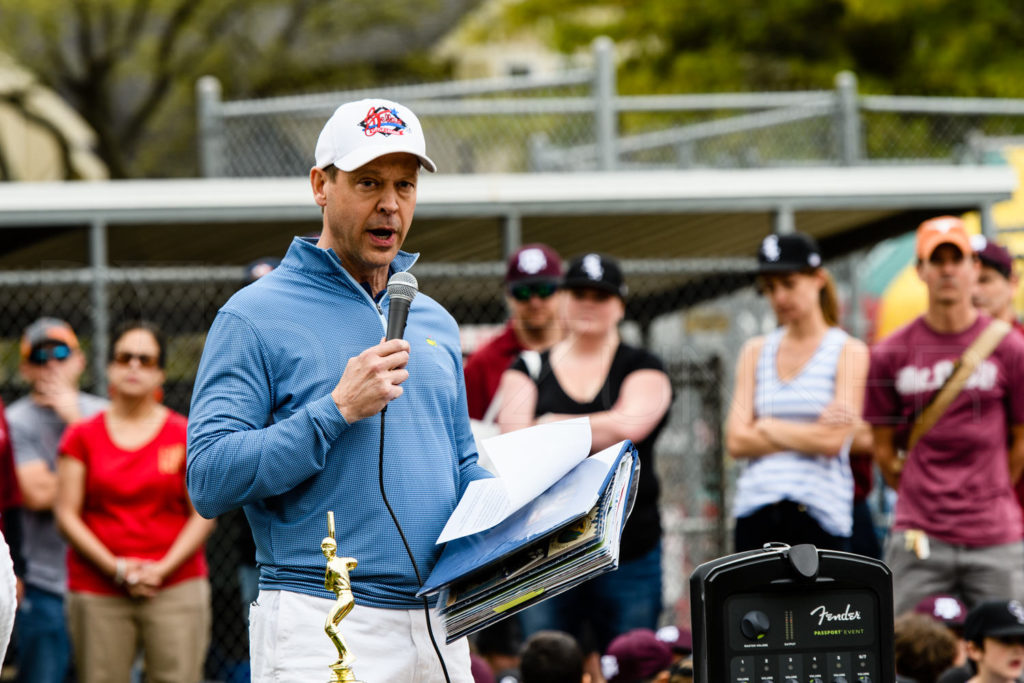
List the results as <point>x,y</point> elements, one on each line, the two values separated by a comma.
<point>403,285</point>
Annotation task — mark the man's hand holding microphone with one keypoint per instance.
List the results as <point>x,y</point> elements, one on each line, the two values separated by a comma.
<point>373,379</point>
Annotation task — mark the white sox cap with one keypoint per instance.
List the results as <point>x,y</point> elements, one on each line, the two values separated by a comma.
<point>359,132</point>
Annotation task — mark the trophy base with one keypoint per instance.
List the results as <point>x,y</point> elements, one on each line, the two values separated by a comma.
<point>342,674</point>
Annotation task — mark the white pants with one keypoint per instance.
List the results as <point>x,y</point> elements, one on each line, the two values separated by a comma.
<point>287,643</point>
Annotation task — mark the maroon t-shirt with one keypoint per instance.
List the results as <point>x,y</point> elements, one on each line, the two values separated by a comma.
<point>1017,327</point>
<point>955,484</point>
<point>484,368</point>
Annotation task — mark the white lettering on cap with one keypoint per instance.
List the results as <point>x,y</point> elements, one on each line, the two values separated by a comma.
<point>947,608</point>
<point>532,261</point>
<point>609,666</point>
<point>770,248</point>
<point>668,634</point>
<point>1017,610</point>
<point>943,225</point>
<point>592,266</point>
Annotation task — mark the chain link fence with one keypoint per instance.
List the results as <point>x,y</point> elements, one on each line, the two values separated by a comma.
<point>696,322</point>
<point>575,121</point>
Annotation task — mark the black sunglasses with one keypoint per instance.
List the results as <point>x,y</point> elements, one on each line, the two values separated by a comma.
<point>145,360</point>
<point>540,289</point>
<point>44,354</point>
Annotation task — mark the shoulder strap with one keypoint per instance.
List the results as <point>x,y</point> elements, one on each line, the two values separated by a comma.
<point>533,362</point>
<point>980,349</point>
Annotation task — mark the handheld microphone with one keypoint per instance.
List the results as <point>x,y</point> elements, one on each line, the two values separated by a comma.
<point>402,288</point>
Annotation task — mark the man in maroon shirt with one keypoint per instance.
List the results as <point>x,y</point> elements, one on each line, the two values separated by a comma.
<point>957,527</point>
<point>531,289</point>
<point>997,285</point>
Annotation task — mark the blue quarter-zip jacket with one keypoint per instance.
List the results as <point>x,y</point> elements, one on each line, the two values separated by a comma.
<point>264,433</point>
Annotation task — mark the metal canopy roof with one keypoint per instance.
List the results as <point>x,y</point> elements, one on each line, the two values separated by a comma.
<point>683,222</point>
<point>449,196</point>
<point>682,235</point>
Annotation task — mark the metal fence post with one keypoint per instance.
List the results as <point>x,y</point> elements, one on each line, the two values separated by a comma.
<point>537,146</point>
<point>100,301</point>
<point>511,233</point>
<point>210,126</point>
<point>605,112</point>
<point>784,220</point>
<point>988,223</point>
<point>848,118</point>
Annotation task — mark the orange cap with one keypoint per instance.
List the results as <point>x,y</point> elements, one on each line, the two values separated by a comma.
<point>942,230</point>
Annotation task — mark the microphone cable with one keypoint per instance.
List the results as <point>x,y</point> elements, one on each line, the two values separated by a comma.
<point>408,549</point>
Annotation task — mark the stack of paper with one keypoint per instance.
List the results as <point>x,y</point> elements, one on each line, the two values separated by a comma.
<point>540,545</point>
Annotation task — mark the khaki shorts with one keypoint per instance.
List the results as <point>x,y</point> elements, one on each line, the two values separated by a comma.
<point>172,629</point>
<point>974,574</point>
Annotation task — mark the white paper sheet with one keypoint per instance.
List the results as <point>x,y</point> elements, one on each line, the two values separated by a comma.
<point>526,463</point>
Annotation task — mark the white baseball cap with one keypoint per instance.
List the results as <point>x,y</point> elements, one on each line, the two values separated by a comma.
<point>359,132</point>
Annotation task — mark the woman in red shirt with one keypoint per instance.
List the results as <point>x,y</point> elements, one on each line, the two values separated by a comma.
<point>136,568</point>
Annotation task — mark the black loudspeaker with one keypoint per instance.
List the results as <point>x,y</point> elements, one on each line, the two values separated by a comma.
<point>792,615</point>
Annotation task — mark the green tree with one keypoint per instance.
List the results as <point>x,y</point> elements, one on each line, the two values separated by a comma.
<point>129,67</point>
<point>948,47</point>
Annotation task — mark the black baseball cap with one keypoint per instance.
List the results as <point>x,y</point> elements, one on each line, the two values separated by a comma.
<point>787,253</point>
<point>595,271</point>
<point>994,619</point>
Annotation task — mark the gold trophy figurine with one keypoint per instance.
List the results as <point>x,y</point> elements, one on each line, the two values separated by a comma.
<point>337,581</point>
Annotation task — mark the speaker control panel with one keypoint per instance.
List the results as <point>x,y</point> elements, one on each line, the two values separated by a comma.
<point>803,638</point>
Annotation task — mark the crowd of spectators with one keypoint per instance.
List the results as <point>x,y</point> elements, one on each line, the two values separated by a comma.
<point>107,548</point>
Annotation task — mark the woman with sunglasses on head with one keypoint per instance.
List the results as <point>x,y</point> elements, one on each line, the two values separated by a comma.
<point>796,408</point>
<point>136,570</point>
<point>626,393</point>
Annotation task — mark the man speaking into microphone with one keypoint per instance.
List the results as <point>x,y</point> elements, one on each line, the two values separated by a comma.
<point>286,419</point>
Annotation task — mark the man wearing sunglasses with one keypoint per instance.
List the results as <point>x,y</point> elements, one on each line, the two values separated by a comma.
<point>52,364</point>
<point>532,282</point>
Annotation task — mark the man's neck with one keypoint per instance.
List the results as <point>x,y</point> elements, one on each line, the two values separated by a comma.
<point>536,339</point>
<point>1007,314</point>
<point>375,280</point>
<point>952,318</point>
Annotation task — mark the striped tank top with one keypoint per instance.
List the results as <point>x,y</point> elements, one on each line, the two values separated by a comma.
<point>821,483</point>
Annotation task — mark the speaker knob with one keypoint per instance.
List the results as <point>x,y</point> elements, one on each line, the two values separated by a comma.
<point>839,678</point>
<point>755,625</point>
